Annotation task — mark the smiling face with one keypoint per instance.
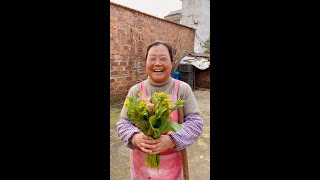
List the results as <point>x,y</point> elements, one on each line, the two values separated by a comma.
<point>158,65</point>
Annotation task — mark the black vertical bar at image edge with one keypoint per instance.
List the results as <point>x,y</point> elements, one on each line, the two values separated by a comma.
<point>106,96</point>
<point>243,135</point>
<point>65,134</point>
<point>214,95</point>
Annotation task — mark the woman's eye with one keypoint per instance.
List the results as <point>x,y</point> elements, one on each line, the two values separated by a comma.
<point>152,59</point>
<point>163,59</point>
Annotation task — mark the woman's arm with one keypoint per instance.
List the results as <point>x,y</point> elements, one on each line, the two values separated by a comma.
<point>191,130</point>
<point>126,130</point>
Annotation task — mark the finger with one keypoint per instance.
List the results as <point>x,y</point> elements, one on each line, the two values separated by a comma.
<point>151,142</point>
<point>145,150</point>
<point>148,146</point>
<point>155,152</point>
<point>159,140</point>
<point>146,137</point>
<point>163,139</point>
<point>157,148</point>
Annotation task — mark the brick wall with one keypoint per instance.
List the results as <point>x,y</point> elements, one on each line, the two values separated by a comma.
<point>130,33</point>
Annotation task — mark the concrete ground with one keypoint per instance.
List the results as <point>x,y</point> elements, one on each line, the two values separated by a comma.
<point>198,153</point>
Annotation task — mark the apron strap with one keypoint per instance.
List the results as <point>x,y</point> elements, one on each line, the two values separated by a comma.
<point>176,88</point>
<point>143,90</point>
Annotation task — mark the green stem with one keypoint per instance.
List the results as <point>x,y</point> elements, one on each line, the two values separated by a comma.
<point>153,161</point>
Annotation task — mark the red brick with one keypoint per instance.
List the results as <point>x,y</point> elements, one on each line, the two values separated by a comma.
<point>123,72</point>
<point>128,68</point>
<point>123,63</point>
<point>114,73</point>
<point>113,63</point>
<point>119,89</point>
<point>117,56</point>
<point>119,79</point>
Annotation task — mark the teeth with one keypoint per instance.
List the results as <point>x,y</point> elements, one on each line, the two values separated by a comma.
<point>157,70</point>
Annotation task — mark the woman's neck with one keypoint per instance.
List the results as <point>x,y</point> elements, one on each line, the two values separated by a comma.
<point>161,84</point>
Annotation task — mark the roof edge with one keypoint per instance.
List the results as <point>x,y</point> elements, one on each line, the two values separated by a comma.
<point>151,15</point>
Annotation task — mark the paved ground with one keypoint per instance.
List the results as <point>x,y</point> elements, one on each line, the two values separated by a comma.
<point>198,153</point>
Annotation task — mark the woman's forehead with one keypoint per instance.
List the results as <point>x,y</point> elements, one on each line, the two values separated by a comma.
<point>157,54</point>
<point>159,48</point>
<point>163,51</point>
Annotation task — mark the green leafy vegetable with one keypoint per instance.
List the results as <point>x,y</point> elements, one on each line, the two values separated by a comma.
<point>153,124</point>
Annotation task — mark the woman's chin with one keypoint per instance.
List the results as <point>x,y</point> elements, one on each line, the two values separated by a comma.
<point>158,79</point>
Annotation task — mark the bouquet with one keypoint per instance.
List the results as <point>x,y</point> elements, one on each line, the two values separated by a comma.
<point>153,123</point>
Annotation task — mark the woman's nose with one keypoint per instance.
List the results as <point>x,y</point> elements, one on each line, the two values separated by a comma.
<point>157,63</point>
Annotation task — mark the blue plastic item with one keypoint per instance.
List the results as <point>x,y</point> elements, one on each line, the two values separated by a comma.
<point>176,75</point>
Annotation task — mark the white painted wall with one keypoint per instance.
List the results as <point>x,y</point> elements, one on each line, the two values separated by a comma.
<point>198,10</point>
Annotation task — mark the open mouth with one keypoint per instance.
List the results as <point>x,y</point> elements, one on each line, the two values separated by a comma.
<point>157,70</point>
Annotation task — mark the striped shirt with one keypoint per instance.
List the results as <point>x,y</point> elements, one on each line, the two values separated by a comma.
<point>191,130</point>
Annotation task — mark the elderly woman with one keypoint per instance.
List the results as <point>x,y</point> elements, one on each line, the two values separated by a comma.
<point>158,67</point>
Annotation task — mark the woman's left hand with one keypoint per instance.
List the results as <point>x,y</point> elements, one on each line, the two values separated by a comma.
<point>162,144</point>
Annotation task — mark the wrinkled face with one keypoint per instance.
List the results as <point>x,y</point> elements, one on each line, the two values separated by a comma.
<point>158,63</point>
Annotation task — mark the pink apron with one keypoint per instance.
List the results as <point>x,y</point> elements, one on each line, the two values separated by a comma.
<point>170,161</point>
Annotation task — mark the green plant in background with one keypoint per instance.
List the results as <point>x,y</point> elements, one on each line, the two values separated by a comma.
<point>153,123</point>
<point>207,46</point>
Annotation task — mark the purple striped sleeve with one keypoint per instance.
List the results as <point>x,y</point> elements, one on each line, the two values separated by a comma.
<point>126,130</point>
<point>191,130</point>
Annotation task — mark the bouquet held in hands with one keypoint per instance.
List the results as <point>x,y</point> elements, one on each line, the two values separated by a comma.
<point>153,122</point>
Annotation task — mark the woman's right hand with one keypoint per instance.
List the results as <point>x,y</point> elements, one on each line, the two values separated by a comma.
<point>144,142</point>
